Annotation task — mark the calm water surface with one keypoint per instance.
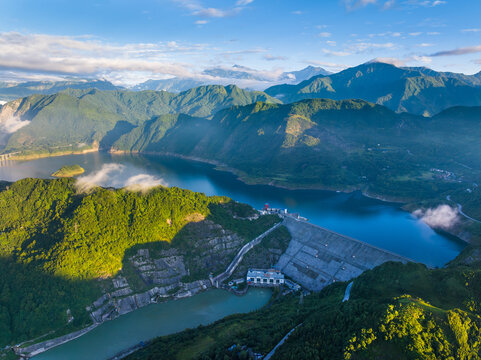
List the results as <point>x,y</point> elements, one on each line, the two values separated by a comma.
<point>379,223</point>
<point>155,320</point>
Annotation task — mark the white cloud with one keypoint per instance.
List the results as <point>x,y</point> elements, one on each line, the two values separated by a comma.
<point>197,9</point>
<point>425,45</point>
<point>415,33</point>
<point>201,22</point>
<point>444,216</point>
<point>365,46</point>
<point>471,30</point>
<point>389,60</point>
<point>331,43</point>
<point>425,3</point>
<point>111,175</point>
<point>355,4</point>
<point>98,178</point>
<point>388,4</point>
<point>335,53</point>
<point>12,124</point>
<point>143,182</point>
<point>89,56</point>
<point>458,51</point>
<point>324,34</point>
<point>244,2</point>
<point>270,57</point>
<point>297,12</point>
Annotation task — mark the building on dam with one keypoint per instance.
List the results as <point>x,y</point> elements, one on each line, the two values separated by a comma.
<point>261,277</point>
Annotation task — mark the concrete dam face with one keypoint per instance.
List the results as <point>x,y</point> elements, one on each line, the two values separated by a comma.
<point>316,257</point>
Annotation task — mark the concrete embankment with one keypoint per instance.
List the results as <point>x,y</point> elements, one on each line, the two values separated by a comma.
<point>32,350</point>
<point>316,257</point>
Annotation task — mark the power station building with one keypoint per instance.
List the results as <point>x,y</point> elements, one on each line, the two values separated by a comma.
<point>261,277</point>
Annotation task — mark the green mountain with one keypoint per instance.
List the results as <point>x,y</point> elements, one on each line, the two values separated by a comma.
<point>74,120</point>
<point>348,144</point>
<point>60,248</point>
<point>418,91</point>
<point>394,311</point>
<point>12,91</point>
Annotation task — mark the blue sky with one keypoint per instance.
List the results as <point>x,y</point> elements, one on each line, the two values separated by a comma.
<point>130,41</point>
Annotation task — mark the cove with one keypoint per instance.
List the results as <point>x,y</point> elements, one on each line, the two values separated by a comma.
<point>379,223</point>
<point>111,337</point>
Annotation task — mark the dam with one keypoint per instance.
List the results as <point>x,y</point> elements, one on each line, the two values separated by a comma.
<point>317,257</point>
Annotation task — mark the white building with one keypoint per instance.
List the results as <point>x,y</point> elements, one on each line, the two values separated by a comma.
<point>261,277</point>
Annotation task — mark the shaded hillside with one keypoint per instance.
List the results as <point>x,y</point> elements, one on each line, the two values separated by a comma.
<point>395,311</point>
<point>78,119</point>
<point>348,144</point>
<point>418,91</point>
<point>60,247</point>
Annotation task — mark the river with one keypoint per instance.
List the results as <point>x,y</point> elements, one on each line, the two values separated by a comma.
<point>155,320</point>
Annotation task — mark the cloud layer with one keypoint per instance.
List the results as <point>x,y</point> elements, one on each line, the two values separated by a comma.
<point>110,175</point>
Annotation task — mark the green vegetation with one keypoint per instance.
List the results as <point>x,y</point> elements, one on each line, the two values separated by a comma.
<point>69,171</point>
<point>56,244</point>
<point>395,311</point>
<point>78,119</point>
<point>418,91</point>
<point>349,144</point>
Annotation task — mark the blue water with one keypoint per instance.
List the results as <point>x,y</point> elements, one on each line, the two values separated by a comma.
<point>111,337</point>
<point>379,223</point>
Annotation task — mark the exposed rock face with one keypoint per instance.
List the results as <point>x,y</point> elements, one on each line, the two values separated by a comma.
<point>163,272</point>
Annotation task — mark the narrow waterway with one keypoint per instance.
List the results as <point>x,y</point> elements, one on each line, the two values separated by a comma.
<point>155,320</point>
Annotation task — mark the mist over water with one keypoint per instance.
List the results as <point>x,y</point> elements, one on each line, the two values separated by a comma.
<point>379,223</point>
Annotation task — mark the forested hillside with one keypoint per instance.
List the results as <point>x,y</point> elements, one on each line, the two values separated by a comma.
<point>395,311</point>
<point>74,120</point>
<point>348,144</point>
<point>57,244</point>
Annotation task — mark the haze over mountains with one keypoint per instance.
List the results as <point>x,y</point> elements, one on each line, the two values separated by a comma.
<point>237,74</point>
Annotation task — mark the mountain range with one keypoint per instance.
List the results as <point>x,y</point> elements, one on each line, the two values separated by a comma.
<point>12,91</point>
<point>420,91</point>
<point>78,119</point>
<point>233,75</point>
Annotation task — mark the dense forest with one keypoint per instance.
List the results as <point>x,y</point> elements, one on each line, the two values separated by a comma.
<point>395,311</point>
<point>57,243</point>
<point>347,145</point>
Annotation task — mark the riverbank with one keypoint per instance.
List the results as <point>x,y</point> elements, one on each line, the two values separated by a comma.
<point>94,148</point>
<point>406,204</point>
<point>116,337</point>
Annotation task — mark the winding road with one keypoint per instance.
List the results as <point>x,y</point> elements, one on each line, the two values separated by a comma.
<point>216,281</point>
<point>460,210</point>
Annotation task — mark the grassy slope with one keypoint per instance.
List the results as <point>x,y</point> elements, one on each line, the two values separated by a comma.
<point>395,312</point>
<point>56,243</point>
<point>69,171</point>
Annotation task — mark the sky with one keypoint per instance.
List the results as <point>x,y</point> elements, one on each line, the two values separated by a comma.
<point>128,42</point>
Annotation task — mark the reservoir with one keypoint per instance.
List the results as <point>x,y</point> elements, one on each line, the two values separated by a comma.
<point>155,320</point>
<point>379,223</point>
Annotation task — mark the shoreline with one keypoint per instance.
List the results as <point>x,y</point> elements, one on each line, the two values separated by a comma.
<point>218,166</point>
<point>63,339</point>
